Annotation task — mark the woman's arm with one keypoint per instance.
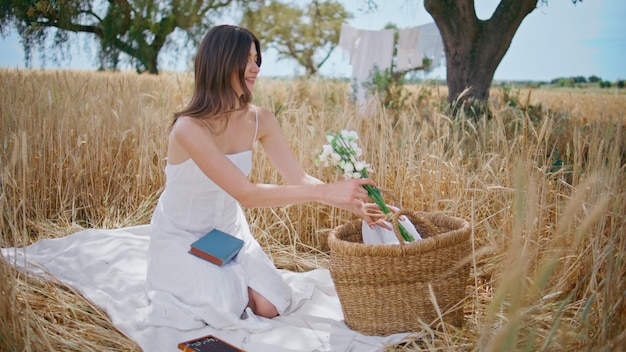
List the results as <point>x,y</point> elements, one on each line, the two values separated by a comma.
<point>189,136</point>
<point>279,152</point>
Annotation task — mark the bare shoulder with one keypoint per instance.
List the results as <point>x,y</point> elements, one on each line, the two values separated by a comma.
<point>268,124</point>
<point>186,134</point>
<point>265,114</point>
<point>186,126</point>
<point>185,122</point>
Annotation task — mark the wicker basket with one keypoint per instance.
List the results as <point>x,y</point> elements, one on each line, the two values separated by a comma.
<point>383,289</point>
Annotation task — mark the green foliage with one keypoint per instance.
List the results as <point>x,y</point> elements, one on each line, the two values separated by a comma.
<point>512,98</point>
<point>389,87</point>
<point>604,84</point>
<point>582,82</point>
<point>139,29</point>
<point>567,82</point>
<point>307,34</point>
<point>594,79</point>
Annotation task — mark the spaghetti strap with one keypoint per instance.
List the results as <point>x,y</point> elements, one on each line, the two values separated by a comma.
<point>256,128</point>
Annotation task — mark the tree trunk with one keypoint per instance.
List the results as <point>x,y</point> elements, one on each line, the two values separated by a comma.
<point>151,63</point>
<point>152,69</point>
<point>474,48</point>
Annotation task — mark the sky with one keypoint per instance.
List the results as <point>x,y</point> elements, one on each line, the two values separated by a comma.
<point>558,39</point>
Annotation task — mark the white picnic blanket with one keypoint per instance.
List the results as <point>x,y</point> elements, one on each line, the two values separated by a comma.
<point>108,267</point>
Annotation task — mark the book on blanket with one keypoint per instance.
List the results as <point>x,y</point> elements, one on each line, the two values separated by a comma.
<point>216,247</point>
<point>208,343</point>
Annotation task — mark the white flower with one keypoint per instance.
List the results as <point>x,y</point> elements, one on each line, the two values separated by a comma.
<point>347,167</point>
<point>346,157</point>
<point>360,165</point>
<point>327,149</point>
<point>349,135</point>
<point>356,149</point>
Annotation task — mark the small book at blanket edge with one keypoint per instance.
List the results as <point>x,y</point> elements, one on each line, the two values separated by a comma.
<point>208,343</point>
<point>216,247</point>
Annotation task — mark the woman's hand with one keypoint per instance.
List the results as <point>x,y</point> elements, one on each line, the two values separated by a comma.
<point>351,195</point>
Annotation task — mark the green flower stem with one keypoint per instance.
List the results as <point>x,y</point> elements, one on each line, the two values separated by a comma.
<point>377,197</point>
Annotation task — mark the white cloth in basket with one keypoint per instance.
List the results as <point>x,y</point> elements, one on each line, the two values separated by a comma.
<point>380,235</point>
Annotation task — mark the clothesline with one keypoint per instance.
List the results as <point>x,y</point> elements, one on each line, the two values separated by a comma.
<point>373,49</point>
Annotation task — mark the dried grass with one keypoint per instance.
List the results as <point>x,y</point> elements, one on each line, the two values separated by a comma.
<point>546,197</point>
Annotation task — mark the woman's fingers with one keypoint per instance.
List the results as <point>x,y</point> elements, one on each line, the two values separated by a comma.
<point>374,216</point>
<point>372,210</point>
<point>361,192</point>
<point>365,181</point>
<point>357,200</point>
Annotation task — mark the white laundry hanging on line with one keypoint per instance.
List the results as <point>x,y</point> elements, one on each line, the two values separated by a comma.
<point>416,43</point>
<point>409,56</point>
<point>367,50</point>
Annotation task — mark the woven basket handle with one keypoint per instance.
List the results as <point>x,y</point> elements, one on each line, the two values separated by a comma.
<point>425,227</point>
<point>395,217</point>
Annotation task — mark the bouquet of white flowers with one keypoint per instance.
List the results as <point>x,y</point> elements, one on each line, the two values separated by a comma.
<point>343,153</point>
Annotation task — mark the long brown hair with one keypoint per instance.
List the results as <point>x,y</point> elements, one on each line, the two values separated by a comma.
<point>225,49</point>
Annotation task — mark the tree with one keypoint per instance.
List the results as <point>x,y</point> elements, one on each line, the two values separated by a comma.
<point>308,35</point>
<point>594,79</point>
<point>474,48</point>
<point>137,28</point>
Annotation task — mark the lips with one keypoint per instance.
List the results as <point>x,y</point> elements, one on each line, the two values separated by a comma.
<point>250,82</point>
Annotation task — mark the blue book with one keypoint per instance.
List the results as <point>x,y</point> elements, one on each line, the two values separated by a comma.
<point>216,247</point>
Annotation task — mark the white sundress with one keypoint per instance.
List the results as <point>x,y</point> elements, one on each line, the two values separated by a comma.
<point>186,292</point>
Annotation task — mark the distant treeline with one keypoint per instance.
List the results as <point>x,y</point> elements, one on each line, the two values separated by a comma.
<point>573,81</point>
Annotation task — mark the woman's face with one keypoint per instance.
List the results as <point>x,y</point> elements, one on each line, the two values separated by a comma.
<point>250,73</point>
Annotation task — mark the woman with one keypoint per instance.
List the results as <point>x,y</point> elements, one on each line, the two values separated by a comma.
<point>208,159</point>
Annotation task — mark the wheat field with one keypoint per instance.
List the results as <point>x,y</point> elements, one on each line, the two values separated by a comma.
<point>542,181</point>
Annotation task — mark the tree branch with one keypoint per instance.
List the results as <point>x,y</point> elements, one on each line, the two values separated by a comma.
<point>330,51</point>
<point>72,27</point>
